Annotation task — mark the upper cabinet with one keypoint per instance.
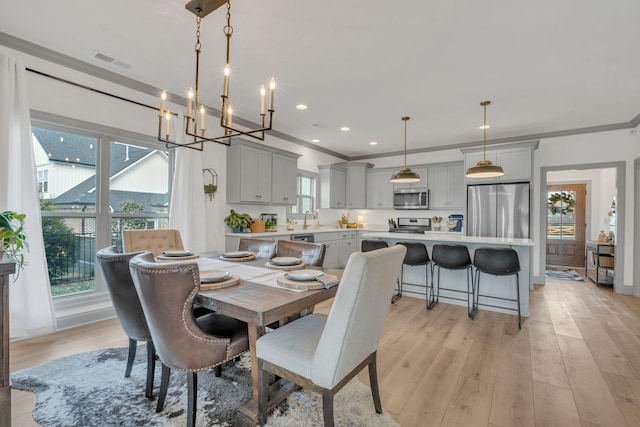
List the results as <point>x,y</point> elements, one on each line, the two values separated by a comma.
<point>379,189</point>
<point>258,174</point>
<point>357,185</point>
<point>343,185</point>
<point>515,159</point>
<point>446,186</point>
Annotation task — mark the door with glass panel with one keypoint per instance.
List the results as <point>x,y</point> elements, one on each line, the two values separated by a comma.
<point>566,225</point>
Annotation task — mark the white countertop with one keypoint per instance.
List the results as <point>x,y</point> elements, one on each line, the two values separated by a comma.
<point>449,237</point>
<point>311,230</point>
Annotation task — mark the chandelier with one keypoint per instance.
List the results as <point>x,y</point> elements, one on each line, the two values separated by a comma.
<point>405,175</point>
<point>485,168</point>
<point>195,124</point>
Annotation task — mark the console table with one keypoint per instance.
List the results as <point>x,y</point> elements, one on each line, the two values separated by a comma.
<point>599,262</point>
<point>7,267</point>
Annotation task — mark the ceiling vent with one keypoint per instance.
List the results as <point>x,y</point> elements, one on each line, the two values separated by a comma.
<point>106,58</point>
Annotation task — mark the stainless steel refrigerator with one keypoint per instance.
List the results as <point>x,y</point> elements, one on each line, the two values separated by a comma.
<point>498,210</point>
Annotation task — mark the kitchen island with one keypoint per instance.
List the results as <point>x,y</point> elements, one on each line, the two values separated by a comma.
<point>493,289</point>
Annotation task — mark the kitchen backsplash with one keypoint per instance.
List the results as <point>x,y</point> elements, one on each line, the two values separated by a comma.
<point>377,218</point>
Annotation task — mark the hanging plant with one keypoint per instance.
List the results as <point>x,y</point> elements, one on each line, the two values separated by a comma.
<point>211,188</point>
<point>563,203</point>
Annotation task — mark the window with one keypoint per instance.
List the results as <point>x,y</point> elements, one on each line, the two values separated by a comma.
<point>306,200</point>
<point>43,181</point>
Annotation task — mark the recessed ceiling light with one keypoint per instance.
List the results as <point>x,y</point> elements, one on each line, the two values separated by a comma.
<point>344,128</point>
<point>373,143</point>
<point>484,127</point>
<point>301,107</point>
<point>315,140</point>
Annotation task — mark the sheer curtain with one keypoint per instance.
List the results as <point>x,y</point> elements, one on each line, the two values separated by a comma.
<point>187,208</point>
<point>30,303</point>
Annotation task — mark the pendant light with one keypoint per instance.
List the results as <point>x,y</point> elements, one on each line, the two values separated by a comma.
<point>485,168</point>
<point>405,175</point>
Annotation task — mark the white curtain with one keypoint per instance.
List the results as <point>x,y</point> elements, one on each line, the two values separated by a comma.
<point>187,208</point>
<point>30,303</point>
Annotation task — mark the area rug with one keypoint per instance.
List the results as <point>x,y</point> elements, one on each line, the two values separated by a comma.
<point>89,389</point>
<point>563,273</point>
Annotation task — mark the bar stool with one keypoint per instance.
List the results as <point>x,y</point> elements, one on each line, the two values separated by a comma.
<point>416,255</point>
<point>372,245</point>
<point>450,257</point>
<point>498,262</point>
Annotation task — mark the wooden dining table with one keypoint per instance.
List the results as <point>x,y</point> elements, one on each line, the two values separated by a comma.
<point>260,305</point>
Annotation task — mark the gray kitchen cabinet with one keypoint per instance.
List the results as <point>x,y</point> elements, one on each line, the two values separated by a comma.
<point>357,185</point>
<point>515,159</point>
<point>446,186</point>
<point>251,177</point>
<point>379,189</point>
<point>347,245</point>
<point>332,251</point>
<point>333,186</point>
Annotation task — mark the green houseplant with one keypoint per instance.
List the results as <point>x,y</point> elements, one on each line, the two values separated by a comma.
<point>13,241</point>
<point>237,221</point>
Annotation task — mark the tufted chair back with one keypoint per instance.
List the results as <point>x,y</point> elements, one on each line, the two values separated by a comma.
<point>154,241</point>
<point>309,253</point>
<point>262,248</point>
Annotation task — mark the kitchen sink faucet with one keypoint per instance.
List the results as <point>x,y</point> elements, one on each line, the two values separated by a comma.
<point>305,225</point>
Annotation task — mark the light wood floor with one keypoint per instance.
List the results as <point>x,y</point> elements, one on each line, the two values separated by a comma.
<point>576,361</point>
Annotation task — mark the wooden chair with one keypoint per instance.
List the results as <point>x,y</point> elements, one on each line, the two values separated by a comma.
<point>114,267</point>
<point>154,241</point>
<point>309,253</point>
<point>262,248</point>
<point>183,342</point>
<point>323,353</point>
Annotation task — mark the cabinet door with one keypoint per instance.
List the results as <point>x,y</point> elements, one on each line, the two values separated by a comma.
<point>379,190</point>
<point>346,248</point>
<point>357,187</point>
<point>331,255</point>
<point>516,163</point>
<point>438,187</point>
<point>249,178</point>
<point>338,196</point>
<point>285,170</point>
<point>456,191</point>
<point>264,176</point>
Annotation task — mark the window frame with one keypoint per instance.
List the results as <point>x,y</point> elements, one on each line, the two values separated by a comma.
<point>304,174</point>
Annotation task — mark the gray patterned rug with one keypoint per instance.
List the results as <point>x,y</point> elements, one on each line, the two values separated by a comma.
<point>563,273</point>
<point>89,389</point>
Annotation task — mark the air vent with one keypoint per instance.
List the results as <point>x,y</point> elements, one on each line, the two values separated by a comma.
<point>106,58</point>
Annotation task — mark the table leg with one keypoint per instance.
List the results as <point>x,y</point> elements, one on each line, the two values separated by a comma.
<point>255,332</point>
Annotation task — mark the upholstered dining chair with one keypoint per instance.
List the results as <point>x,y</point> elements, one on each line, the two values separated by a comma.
<point>323,353</point>
<point>309,253</point>
<point>115,271</point>
<point>183,342</point>
<point>154,241</point>
<point>262,248</point>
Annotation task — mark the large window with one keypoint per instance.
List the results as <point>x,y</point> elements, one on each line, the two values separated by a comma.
<point>306,200</point>
<point>92,186</point>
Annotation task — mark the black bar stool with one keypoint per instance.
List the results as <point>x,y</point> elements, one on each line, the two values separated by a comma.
<point>498,262</point>
<point>372,245</point>
<point>450,257</point>
<point>416,255</point>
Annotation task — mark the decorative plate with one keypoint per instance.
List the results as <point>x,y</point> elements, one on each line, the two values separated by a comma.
<point>177,252</point>
<point>236,254</point>
<point>285,260</point>
<point>213,276</point>
<point>303,275</point>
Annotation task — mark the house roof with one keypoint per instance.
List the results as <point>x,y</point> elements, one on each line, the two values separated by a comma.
<point>81,194</point>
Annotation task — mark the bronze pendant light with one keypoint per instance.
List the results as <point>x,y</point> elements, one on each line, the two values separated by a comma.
<point>485,168</point>
<point>405,175</point>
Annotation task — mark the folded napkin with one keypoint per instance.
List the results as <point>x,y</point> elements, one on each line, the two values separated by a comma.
<point>328,280</point>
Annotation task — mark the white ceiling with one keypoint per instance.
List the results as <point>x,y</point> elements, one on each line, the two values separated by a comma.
<point>546,65</point>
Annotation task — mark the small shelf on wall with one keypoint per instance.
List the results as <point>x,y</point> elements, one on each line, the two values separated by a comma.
<point>600,262</point>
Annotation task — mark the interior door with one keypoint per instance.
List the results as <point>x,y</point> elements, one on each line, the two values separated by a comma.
<point>566,224</point>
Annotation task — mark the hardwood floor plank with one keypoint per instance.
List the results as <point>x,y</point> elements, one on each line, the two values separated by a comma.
<point>562,320</point>
<point>482,362</point>
<point>554,406</point>
<point>470,404</point>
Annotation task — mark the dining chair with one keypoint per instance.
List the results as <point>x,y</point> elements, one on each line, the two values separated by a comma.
<point>310,253</point>
<point>183,342</point>
<point>154,241</point>
<point>114,267</point>
<point>323,353</point>
<point>262,248</point>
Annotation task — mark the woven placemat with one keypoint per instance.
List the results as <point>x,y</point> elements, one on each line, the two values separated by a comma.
<point>273,266</point>
<point>299,285</point>
<point>231,281</point>
<point>177,258</point>
<point>249,257</point>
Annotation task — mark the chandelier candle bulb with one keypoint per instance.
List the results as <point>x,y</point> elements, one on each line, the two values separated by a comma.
<point>168,116</point>
<point>202,117</point>
<point>189,101</point>
<point>229,116</point>
<point>272,89</point>
<point>163,97</point>
<point>262,94</point>
<point>227,72</point>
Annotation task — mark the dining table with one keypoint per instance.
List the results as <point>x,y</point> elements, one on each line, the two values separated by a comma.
<point>259,301</point>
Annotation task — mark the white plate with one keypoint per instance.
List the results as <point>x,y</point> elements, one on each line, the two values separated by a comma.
<point>285,260</point>
<point>177,252</point>
<point>236,254</point>
<point>213,276</point>
<point>304,275</point>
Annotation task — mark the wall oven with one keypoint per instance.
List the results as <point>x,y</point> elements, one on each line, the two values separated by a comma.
<point>411,198</point>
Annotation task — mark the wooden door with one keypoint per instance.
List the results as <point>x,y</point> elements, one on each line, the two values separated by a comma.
<point>566,224</point>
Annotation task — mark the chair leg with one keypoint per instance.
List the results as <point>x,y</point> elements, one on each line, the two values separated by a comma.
<point>375,390</point>
<point>327,407</point>
<point>471,290</point>
<point>399,283</point>
<point>133,345</point>
<point>164,386</point>
<point>151,368</point>
<point>192,398</point>
<point>475,296</point>
<point>432,300</point>
<point>263,394</point>
<point>518,293</point>
<point>218,371</point>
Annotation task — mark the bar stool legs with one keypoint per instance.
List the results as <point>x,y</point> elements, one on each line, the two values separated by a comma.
<point>416,255</point>
<point>450,257</point>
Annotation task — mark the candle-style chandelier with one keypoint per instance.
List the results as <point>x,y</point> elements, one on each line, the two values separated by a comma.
<point>195,118</point>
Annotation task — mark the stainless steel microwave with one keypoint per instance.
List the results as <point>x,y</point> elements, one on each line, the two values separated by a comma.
<point>411,198</point>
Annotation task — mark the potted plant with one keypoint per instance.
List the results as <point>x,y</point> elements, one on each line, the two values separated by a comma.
<point>13,241</point>
<point>210,190</point>
<point>237,221</point>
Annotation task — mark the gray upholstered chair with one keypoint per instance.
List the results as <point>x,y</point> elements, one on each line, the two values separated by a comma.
<point>309,253</point>
<point>154,241</point>
<point>262,248</point>
<point>115,271</point>
<point>323,353</point>
<point>183,342</point>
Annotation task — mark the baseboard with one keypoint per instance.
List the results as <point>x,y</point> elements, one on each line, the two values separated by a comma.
<point>66,320</point>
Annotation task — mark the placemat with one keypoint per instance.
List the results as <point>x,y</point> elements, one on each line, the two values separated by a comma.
<point>300,266</point>
<point>309,285</point>
<point>231,281</point>
<point>249,257</point>
<point>177,258</point>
